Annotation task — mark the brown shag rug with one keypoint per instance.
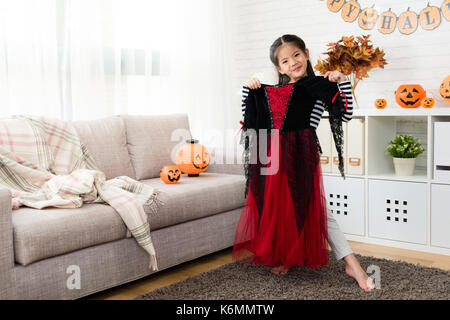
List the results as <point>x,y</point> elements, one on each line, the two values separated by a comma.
<point>235,281</point>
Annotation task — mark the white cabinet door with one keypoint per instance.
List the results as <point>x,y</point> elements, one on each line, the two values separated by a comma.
<point>345,198</point>
<point>440,215</point>
<point>442,151</point>
<point>355,146</point>
<point>398,210</point>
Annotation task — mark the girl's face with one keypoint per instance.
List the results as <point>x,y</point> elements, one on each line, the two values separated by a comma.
<point>292,61</point>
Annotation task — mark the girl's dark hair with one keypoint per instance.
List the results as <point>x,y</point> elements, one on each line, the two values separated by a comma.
<point>289,38</point>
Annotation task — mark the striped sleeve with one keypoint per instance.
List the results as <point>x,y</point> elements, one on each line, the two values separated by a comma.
<point>346,87</point>
<point>316,115</point>
<point>245,91</point>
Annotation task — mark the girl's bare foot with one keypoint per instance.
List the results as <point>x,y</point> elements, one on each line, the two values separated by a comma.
<point>354,270</point>
<point>248,260</point>
<point>279,270</point>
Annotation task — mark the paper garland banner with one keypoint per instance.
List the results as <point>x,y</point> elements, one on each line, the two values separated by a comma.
<point>407,22</point>
<point>368,18</point>
<point>387,22</point>
<point>445,9</point>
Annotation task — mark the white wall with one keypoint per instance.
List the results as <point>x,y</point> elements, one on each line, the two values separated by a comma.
<point>422,57</point>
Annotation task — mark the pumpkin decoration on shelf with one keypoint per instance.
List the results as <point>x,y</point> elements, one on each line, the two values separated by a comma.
<point>192,158</point>
<point>409,95</point>
<point>170,174</point>
<point>444,89</point>
<point>380,103</point>
<point>428,103</point>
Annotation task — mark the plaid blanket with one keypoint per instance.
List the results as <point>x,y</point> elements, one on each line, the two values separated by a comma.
<point>44,164</point>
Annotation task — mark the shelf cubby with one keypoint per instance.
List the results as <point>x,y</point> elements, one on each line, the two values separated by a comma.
<point>381,130</point>
<point>441,141</point>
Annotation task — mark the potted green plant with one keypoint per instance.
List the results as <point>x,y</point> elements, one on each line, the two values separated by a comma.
<point>404,150</point>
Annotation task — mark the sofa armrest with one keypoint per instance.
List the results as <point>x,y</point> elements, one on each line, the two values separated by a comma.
<point>225,161</point>
<point>7,273</point>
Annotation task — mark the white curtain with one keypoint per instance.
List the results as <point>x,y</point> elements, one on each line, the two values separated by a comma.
<point>29,77</point>
<point>88,59</point>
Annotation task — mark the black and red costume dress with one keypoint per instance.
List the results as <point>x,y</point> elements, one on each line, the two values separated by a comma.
<point>284,219</point>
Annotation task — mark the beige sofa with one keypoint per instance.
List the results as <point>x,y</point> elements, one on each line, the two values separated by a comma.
<point>42,251</point>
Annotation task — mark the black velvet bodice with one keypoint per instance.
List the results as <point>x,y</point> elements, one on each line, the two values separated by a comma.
<point>304,94</point>
<point>298,111</point>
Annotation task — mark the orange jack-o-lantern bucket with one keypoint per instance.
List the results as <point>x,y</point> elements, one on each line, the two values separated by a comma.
<point>409,95</point>
<point>192,158</point>
<point>170,174</point>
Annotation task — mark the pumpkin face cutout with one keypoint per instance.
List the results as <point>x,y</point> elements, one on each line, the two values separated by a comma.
<point>428,102</point>
<point>380,103</point>
<point>201,158</point>
<point>444,89</point>
<point>409,95</point>
<point>170,174</point>
<point>368,18</point>
<point>192,158</point>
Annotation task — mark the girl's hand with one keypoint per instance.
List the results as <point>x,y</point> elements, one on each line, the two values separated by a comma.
<point>335,76</point>
<point>253,83</point>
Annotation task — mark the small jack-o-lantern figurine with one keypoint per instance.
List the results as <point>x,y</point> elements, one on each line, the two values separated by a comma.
<point>170,174</point>
<point>428,103</point>
<point>409,95</point>
<point>192,158</point>
<point>380,103</point>
<point>444,89</point>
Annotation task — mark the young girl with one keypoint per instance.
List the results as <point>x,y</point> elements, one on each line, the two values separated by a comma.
<point>285,221</point>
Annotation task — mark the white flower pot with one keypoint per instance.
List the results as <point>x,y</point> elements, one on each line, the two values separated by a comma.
<point>404,166</point>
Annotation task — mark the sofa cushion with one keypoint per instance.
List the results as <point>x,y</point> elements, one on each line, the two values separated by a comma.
<point>149,140</point>
<point>40,234</point>
<point>197,197</point>
<point>106,141</point>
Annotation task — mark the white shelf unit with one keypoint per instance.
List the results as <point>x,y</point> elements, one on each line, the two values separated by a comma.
<point>409,212</point>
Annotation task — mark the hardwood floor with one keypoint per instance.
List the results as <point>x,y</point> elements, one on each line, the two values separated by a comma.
<point>215,260</point>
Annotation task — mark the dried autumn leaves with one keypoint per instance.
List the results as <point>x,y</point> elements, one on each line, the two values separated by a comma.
<point>352,56</point>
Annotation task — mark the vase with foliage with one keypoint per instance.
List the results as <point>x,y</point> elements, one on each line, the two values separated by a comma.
<point>354,58</point>
<point>404,150</point>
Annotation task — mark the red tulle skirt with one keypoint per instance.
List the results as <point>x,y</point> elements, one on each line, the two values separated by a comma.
<point>276,240</point>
